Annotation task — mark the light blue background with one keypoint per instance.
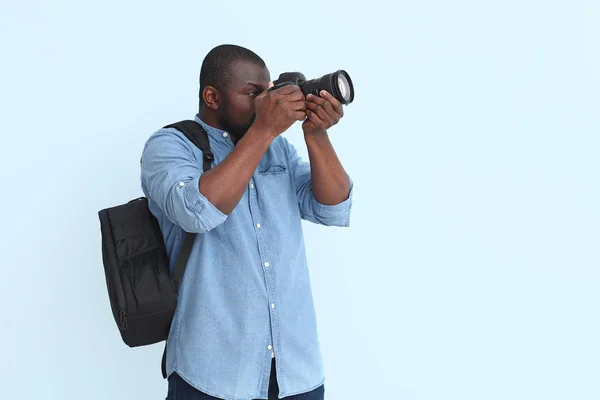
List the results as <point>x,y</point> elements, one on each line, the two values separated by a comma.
<point>471,270</point>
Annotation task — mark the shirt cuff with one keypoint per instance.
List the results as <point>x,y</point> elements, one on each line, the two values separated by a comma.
<point>336,214</point>
<point>206,213</point>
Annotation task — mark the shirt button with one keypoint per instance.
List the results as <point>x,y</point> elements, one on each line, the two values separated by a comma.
<point>269,347</point>
<point>273,305</point>
<point>224,134</point>
<point>258,225</point>
<point>181,183</point>
<point>267,264</point>
<point>252,185</point>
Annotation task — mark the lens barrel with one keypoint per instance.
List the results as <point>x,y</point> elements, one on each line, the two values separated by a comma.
<point>337,83</point>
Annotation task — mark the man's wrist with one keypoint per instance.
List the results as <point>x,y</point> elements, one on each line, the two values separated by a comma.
<point>316,138</point>
<point>262,135</point>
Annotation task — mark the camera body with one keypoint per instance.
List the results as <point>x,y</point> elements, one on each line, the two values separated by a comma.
<point>289,78</point>
<point>337,83</point>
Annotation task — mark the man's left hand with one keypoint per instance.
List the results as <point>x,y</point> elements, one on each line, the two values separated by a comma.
<point>322,112</point>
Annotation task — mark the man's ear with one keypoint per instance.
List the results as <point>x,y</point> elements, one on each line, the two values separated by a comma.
<point>211,97</point>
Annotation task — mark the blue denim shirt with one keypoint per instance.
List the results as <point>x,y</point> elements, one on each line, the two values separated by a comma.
<point>246,295</point>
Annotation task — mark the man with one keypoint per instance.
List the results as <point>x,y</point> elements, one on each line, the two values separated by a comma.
<point>245,325</point>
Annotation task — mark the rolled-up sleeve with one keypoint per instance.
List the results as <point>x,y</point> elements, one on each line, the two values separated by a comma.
<point>310,209</point>
<point>170,174</point>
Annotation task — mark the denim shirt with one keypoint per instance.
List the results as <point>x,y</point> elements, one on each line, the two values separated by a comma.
<point>246,295</point>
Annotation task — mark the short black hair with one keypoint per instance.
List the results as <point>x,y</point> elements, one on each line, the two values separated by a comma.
<point>216,70</point>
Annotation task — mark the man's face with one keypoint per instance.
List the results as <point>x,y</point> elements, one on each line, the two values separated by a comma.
<point>236,108</point>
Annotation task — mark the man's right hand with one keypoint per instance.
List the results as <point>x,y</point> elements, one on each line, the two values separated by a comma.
<point>277,110</point>
<point>224,184</point>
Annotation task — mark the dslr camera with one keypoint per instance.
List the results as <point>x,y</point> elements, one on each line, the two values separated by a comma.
<point>337,83</point>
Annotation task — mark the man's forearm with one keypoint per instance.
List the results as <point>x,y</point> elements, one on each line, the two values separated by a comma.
<point>330,182</point>
<point>225,184</point>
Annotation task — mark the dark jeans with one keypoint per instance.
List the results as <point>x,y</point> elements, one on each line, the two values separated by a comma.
<point>181,390</point>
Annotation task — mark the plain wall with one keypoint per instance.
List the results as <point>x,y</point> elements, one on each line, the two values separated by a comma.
<point>471,268</point>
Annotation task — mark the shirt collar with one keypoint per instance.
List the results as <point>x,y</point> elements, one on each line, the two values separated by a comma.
<point>215,133</point>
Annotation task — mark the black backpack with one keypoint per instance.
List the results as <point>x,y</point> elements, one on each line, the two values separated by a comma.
<point>141,290</point>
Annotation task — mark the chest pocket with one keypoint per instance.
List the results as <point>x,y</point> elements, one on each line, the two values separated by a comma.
<point>275,183</point>
<point>277,194</point>
<point>273,169</point>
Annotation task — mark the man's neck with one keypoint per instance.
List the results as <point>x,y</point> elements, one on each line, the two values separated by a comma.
<point>209,119</point>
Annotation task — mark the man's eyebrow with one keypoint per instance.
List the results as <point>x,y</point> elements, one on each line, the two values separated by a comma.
<point>256,85</point>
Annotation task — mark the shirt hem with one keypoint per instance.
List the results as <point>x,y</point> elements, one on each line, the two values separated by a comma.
<point>252,397</point>
<point>303,391</point>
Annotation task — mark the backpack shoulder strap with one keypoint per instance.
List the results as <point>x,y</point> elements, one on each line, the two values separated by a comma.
<point>197,135</point>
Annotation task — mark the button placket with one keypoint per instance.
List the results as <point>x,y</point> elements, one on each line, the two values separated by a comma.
<point>266,262</point>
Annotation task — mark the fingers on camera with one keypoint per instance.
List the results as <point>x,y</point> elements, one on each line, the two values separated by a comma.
<point>299,115</point>
<point>288,89</point>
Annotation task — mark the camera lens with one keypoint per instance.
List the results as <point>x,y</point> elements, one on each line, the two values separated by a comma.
<point>337,83</point>
<point>344,87</point>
